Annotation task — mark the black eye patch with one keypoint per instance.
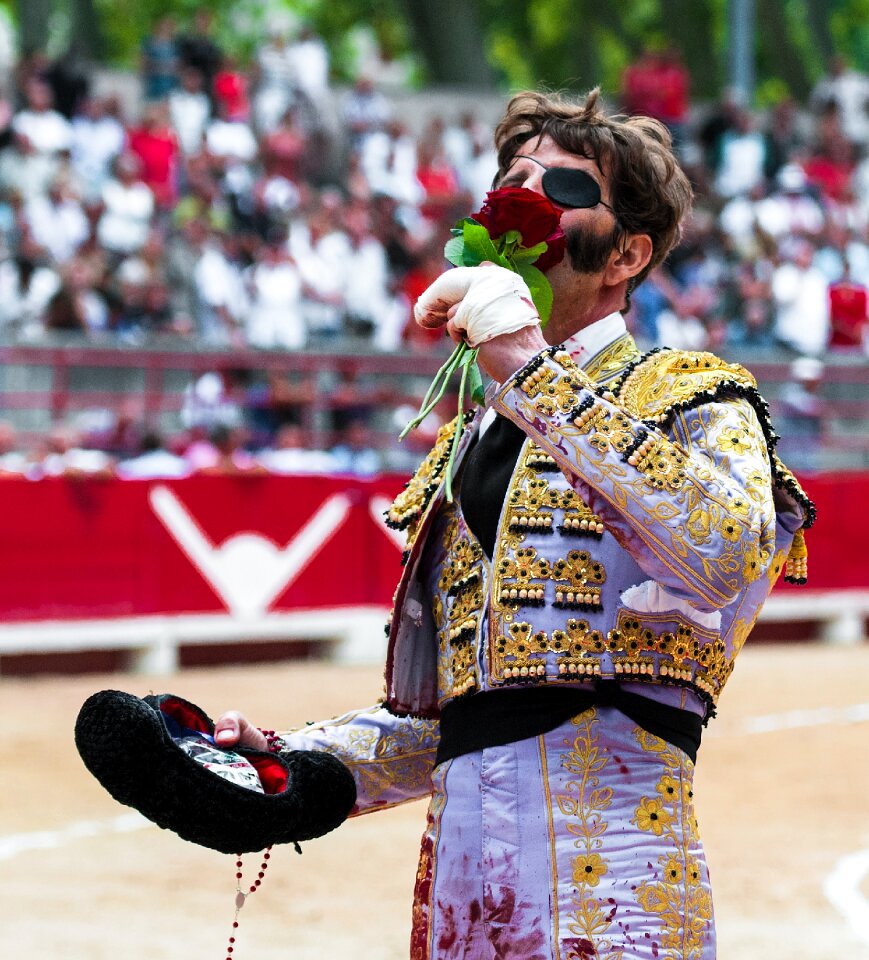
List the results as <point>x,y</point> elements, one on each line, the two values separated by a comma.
<point>571,188</point>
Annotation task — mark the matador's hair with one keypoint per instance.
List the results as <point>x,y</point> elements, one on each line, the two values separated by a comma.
<point>649,192</point>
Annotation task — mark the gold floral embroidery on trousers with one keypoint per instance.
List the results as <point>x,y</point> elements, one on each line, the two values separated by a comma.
<point>677,894</point>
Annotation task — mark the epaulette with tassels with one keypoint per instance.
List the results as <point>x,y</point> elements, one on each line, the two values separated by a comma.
<point>664,383</point>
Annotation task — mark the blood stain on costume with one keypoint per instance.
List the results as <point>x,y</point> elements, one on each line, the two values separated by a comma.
<point>576,948</point>
<point>475,911</point>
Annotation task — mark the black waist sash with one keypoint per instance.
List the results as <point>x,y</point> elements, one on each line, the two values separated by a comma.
<point>498,717</point>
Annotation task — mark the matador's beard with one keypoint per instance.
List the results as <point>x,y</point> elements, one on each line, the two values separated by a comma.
<point>589,251</point>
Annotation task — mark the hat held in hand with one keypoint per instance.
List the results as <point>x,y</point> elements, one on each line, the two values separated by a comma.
<point>157,754</point>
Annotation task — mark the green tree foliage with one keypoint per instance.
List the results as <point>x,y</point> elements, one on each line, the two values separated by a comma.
<point>563,44</point>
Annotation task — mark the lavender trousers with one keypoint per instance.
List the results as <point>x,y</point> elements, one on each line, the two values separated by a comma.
<point>580,844</point>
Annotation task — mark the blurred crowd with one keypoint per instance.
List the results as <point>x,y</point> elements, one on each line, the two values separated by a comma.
<point>257,206</point>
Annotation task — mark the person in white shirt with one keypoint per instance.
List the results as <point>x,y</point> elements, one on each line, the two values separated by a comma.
<point>741,163</point>
<point>849,90</point>
<point>274,319</point>
<point>97,140</point>
<point>48,131</point>
<point>800,298</point>
<point>154,462</point>
<point>57,221</point>
<point>129,206</point>
<point>220,293</point>
<point>25,172</point>
<point>189,111</point>
<point>289,455</point>
<point>309,61</point>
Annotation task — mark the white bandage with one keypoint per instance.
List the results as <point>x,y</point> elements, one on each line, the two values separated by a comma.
<point>492,301</point>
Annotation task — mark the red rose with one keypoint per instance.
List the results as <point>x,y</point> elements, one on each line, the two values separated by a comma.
<point>555,246</point>
<point>518,208</point>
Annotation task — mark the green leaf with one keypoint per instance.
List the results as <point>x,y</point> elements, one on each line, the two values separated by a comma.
<point>454,251</point>
<point>530,254</point>
<point>475,383</point>
<point>512,236</point>
<point>541,291</point>
<point>478,242</point>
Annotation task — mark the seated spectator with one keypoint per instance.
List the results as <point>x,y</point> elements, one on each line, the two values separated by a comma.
<point>13,462</point>
<point>284,148</point>
<point>61,453</point>
<point>849,311</point>
<point>802,414</point>
<point>847,90</point>
<point>159,60</point>
<point>290,456</point>
<point>128,204</point>
<point>230,92</point>
<point>793,208</point>
<point>274,73</point>
<point>365,111</point>
<point>189,112</point>
<point>97,140</point>
<point>154,143</point>
<point>224,454</point>
<point>24,172</point>
<point>274,318</point>
<point>221,298</point>
<point>355,453</point>
<point>57,222</point>
<point>309,64</point>
<point>801,305</point>
<point>388,160</point>
<point>198,49</point>
<point>48,131</point>
<point>741,158</point>
<point>27,285</point>
<point>78,306</point>
<point>154,462</point>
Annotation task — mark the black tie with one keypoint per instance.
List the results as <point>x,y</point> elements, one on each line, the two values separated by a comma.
<point>486,478</point>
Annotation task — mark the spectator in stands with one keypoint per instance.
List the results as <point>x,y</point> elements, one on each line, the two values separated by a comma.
<point>290,455</point>
<point>365,111</point>
<point>221,298</point>
<point>13,462</point>
<point>792,209</point>
<point>224,454</point>
<point>154,462</point>
<point>56,221</point>
<point>128,206</point>
<point>160,60</point>
<point>848,91</point>
<point>68,79</point>
<point>230,91</point>
<point>189,111</point>
<point>849,311</point>
<point>803,413</point>
<point>356,452</point>
<point>48,132</point>
<point>274,318</point>
<point>309,61</point>
<point>77,306</point>
<point>799,290</point>
<point>156,146</point>
<point>741,157</point>
<point>97,140</point>
<point>61,453</point>
<point>198,49</point>
<point>275,80</point>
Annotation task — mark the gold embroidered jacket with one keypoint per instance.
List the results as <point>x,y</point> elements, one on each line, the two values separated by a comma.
<point>645,523</point>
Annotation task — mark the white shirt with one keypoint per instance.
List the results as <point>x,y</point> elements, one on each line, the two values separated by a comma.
<point>47,130</point>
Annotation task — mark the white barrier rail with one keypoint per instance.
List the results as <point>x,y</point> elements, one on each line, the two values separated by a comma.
<point>356,632</point>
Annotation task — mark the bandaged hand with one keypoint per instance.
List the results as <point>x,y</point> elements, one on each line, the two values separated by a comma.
<point>489,301</point>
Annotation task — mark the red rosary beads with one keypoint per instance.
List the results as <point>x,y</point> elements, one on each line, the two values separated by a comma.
<point>241,896</point>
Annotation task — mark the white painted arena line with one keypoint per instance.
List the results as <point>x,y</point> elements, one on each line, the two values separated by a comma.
<point>12,845</point>
<point>795,720</point>
<point>842,889</point>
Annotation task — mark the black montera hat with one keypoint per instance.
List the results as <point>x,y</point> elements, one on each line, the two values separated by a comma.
<point>156,754</point>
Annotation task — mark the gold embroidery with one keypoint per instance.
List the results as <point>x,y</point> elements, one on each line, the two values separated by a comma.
<point>580,573</point>
<point>462,565</point>
<point>586,802</point>
<point>612,359</point>
<point>661,462</point>
<point>677,895</point>
<point>578,520</point>
<point>530,506</point>
<point>572,644</point>
<point>526,650</point>
<point>521,579</point>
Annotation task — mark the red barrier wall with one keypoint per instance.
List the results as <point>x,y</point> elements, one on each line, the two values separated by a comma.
<point>94,548</point>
